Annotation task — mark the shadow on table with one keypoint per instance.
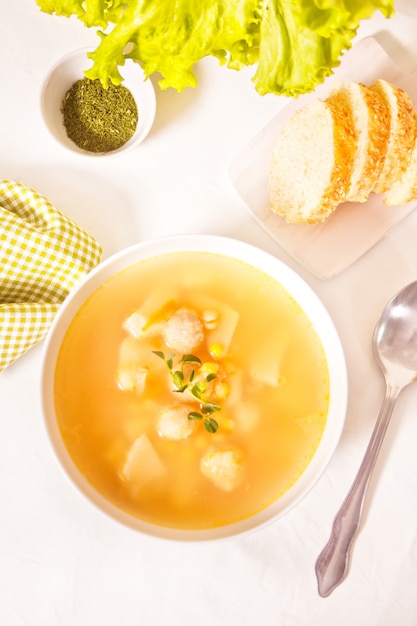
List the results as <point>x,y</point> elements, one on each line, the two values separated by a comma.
<point>171,104</point>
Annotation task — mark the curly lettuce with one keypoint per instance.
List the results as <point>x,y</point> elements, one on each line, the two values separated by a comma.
<point>293,44</point>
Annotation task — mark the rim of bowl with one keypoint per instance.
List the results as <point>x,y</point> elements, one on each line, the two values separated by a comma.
<point>302,293</point>
<point>69,68</point>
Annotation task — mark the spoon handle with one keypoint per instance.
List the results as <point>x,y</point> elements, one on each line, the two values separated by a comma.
<point>332,563</point>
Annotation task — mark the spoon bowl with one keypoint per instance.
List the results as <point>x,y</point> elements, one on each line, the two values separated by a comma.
<point>395,337</point>
<point>395,350</point>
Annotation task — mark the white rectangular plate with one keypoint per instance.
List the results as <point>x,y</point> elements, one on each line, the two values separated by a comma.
<point>324,249</point>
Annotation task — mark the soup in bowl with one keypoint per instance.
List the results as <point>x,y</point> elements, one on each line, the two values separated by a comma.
<point>194,387</point>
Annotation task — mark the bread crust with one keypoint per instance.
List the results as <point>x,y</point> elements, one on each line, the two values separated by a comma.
<point>370,124</point>
<point>401,138</point>
<point>404,189</point>
<point>377,144</point>
<point>344,151</point>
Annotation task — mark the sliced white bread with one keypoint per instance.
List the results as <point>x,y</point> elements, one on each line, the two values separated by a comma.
<point>404,189</point>
<point>312,163</point>
<point>401,136</point>
<point>370,124</point>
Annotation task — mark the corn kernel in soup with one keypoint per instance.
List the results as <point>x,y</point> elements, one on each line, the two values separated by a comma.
<point>191,390</point>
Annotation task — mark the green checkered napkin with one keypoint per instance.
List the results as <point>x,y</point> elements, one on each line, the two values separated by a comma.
<point>42,256</point>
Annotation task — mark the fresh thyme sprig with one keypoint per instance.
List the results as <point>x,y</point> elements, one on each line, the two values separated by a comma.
<point>182,383</point>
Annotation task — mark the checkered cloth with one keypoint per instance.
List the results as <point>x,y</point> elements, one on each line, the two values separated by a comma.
<point>42,256</point>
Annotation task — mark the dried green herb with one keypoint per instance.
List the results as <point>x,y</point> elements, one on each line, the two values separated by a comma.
<point>99,119</point>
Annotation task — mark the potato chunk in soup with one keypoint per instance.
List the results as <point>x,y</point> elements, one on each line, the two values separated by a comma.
<point>191,404</point>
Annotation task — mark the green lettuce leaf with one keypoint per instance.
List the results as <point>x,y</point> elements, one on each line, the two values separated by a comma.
<point>294,44</point>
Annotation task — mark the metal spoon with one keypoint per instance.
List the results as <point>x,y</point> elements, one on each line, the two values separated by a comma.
<point>395,350</point>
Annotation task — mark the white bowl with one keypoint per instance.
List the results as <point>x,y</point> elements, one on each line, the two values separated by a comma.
<point>66,72</point>
<point>301,293</point>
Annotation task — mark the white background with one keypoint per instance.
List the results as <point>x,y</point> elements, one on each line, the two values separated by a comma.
<point>64,563</point>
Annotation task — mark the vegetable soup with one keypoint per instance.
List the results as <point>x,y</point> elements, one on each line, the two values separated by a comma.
<point>191,390</point>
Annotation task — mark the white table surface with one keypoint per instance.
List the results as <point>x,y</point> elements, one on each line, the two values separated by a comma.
<point>64,563</point>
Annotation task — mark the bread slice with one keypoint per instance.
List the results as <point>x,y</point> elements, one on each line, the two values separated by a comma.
<point>312,163</point>
<point>370,124</point>
<point>401,136</point>
<point>404,189</point>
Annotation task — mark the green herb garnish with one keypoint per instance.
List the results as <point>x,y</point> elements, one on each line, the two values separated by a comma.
<point>184,381</point>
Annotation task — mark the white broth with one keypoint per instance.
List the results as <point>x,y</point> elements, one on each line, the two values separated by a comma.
<point>203,441</point>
